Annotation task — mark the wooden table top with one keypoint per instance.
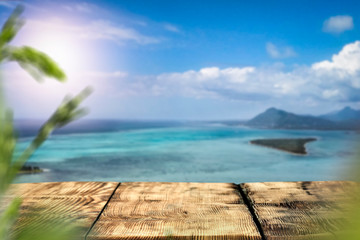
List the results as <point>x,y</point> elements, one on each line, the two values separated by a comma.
<point>154,210</point>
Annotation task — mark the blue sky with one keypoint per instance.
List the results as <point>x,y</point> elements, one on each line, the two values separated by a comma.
<point>191,59</point>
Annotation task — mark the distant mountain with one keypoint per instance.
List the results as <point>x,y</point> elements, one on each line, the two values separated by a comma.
<point>345,114</point>
<point>276,118</point>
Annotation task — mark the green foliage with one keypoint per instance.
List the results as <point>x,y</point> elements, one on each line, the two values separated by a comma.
<point>38,64</point>
<point>8,218</point>
<point>7,146</point>
<point>352,216</point>
<point>66,113</point>
<point>41,225</point>
<point>11,26</point>
<point>34,62</point>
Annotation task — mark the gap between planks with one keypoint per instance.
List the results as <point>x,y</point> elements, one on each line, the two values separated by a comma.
<point>250,206</point>
<point>303,210</point>
<point>102,210</point>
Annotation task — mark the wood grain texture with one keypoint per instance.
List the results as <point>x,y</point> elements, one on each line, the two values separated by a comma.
<point>80,202</point>
<point>144,210</point>
<point>300,210</point>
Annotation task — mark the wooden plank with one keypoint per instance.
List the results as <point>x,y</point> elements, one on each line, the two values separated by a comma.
<point>143,210</point>
<point>80,202</point>
<point>300,210</point>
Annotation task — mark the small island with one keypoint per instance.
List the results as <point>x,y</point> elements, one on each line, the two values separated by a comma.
<point>30,169</point>
<point>291,145</point>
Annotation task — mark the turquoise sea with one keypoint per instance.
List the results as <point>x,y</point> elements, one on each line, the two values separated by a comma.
<point>184,151</point>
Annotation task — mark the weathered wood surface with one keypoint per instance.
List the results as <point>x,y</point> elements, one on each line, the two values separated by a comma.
<point>139,210</point>
<point>78,201</point>
<point>301,210</point>
<point>144,210</point>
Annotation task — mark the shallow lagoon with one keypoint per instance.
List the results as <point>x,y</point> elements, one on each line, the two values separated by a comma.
<point>195,152</point>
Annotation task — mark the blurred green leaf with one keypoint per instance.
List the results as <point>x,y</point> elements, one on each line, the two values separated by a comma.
<point>67,112</point>
<point>38,64</point>
<point>11,26</point>
<point>35,62</point>
<point>8,218</point>
<point>40,224</point>
<point>7,146</point>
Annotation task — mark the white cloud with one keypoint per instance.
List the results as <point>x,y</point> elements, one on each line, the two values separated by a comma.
<point>211,74</point>
<point>210,82</point>
<point>208,73</point>
<point>10,5</point>
<point>335,81</point>
<point>344,66</point>
<point>346,61</point>
<point>338,24</point>
<point>276,52</point>
<point>106,30</point>
<point>96,30</point>
<point>105,75</point>
<point>171,28</point>
<point>91,22</point>
<point>330,93</point>
<point>20,83</point>
<point>313,85</point>
<point>84,7</point>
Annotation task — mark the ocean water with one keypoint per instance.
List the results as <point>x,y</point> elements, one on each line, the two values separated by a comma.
<point>181,152</point>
